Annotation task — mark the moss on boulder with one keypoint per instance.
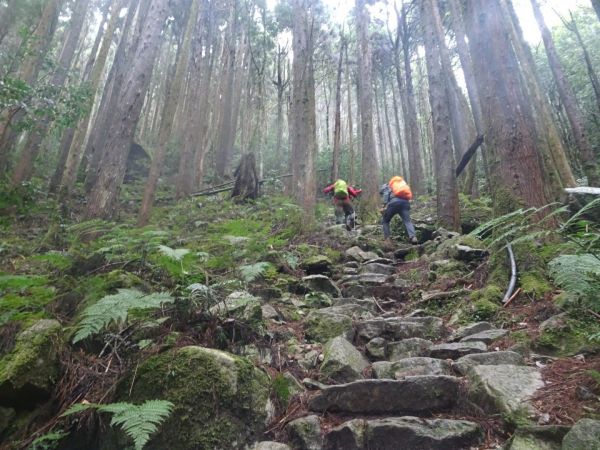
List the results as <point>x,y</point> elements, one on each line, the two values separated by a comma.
<point>29,371</point>
<point>221,400</point>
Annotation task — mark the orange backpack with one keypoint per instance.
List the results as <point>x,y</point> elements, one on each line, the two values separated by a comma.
<point>400,188</point>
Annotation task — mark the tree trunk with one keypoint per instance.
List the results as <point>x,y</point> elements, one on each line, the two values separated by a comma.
<point>77,147</point>
<point>24,168</point>
<point>403,169</point>
<point>388,126</point>
<point>515,167</point>
<point>596,5</point>
<point>567,96</point>
<point>226,130</point>
<point>37,47</point>
<point>281,81</point>
<point>304,137</point>
<point>121,127</point>
<point>168,114</point>
<point>246,184</point>
<point>439,98</point>
<point>557,166</point>
<point>351,175</point>
<point>588,61</point>
<point>415,157</point>
<point>370,168</point>
<point>337,127</point>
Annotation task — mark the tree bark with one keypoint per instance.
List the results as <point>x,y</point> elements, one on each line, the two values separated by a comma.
<point>226,130</point>
<point>121,127</point>
<point>77,147</point>
<point>24,168</point>
<point>246,184</point>
<point>304,137</point>
<point>168,114</point>
<point>557,165</point>
<point>596,5</point>
<point>370,167</point>
<point>515,166</point>
<point>415,156</point>
<point>337,126</point>
<point>440,100</point>
<point>281,82</point>
<point>351,175</point>
<point>587,155</point>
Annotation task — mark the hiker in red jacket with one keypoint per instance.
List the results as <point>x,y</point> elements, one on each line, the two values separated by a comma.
<point>342,200</point>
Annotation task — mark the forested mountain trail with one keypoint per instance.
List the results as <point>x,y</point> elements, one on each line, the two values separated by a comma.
<point>260,334</point>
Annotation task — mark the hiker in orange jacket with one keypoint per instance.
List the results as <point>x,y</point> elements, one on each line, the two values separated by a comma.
<point>342,200</point>
<point>396,200</point>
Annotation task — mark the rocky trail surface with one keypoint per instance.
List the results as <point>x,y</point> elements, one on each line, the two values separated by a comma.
<point>393,376</point>
<point>335,341</point>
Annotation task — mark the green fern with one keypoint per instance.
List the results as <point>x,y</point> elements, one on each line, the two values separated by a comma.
<point>175,254</point>
<point>251,272</point>
<point>579,275</point>
<point>115,309</point>
<point>138,421</point>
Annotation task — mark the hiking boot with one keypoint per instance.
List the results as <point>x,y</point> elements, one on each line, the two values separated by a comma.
<point>413,240</point>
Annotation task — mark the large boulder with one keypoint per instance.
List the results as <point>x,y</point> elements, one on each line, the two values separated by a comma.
<point>410,367</point>
<point>270,445</point>
<point>220,400</point>
<point>358,254</point>
<point>327,323</point>
<point>538,438</point>
<point>321,283</point>
<point>462,365</point>
<point>305,433</point>
<point>487,336</point>
<point>342,361</point>
<point>408,348</point>
<point>504,389</point>
<point>241,305</point>
<point>404,433</point>
<point>456,350</point>
<point>401,328</point>
<point>319,264</point>
<point>413,395</point>
<point>468,330</point>
<point>585,434</point>
<point>28,373</point>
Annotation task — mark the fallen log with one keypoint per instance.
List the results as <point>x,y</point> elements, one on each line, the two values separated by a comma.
<point>469,154</point>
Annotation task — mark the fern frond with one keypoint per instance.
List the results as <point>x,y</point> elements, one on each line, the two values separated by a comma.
<point>139,422</point>
<point>115,308</point>
<point>176,254</point>
<point>591,205</point>
<point>578,275</point>
<point>251,272</point>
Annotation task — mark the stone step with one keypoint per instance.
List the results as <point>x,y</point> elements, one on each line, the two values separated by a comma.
<point>412,395</point>
<point>395,328</point>
<point>411,367</point>
<point>404,433</point>
<point>456,350</point>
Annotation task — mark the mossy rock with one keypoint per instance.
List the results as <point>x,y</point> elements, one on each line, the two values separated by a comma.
<point>321,326</point>
<point>568,340</point>
<point>29,371</point>
<point>446,249</point>
<point>221,400</point>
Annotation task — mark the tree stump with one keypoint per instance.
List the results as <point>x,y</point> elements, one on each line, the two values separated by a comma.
<point>246,179</point>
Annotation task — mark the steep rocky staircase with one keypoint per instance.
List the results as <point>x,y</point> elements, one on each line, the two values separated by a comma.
<point>404,380</point>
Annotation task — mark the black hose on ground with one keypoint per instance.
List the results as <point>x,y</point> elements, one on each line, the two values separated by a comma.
<point>513,274</point>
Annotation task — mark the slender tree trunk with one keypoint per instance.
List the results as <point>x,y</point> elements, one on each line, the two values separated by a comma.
<point>168,114</point>
<point>281,81</point>
<point>403,169</point>
<point>304,138</point>
<point>388,126</point>
<point>596,5</point>
<point>24,168</point>
<point>370,168</point>
<point>588,157</point>
<point>380,139</point>
<point>415,157</point>
<point>439,98</point>
<point>337,127</point>
<point>77,147</point>
<point>104,194</point>
<point>588,61</point>
<point>38,44</point>
<point>351,175</point>
<point>515,166</point>
<point>226,130</point>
